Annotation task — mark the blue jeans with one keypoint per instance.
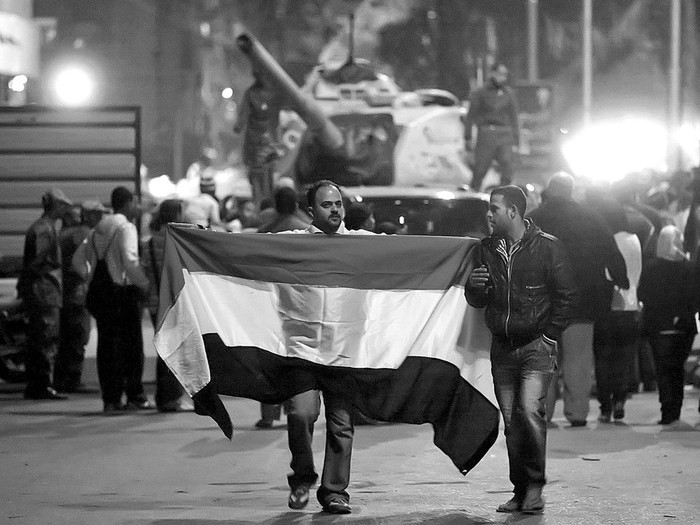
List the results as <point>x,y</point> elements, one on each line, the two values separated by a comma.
<point>521,377</point>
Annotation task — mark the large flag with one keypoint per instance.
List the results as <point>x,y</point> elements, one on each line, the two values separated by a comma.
<point>379,318</point>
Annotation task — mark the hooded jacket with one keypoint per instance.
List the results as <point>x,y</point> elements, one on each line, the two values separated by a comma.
<point>532,291</point>
<point>591,249</point>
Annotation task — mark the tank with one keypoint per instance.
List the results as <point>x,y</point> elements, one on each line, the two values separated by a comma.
<point>356,126</point>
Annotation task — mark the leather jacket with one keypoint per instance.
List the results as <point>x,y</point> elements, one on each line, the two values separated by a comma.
<point>532,292</point>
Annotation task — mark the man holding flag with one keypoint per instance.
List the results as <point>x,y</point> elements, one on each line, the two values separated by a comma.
<point>327,210</point>
<point>524,280</point>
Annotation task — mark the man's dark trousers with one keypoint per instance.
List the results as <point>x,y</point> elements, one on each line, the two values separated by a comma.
<point>42,345</point>
<point>670,353</point>
<point>493,143</point>
<point>521,378</point>
<point>302,412</point>
<point>120,356</point>
<point>75,334</point>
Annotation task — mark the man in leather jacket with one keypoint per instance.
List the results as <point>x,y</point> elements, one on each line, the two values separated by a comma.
<point>523,278</point>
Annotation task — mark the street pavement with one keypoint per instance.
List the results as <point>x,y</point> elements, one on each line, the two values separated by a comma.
<point>65,462</point>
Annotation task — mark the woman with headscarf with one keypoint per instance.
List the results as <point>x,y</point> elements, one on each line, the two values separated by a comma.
<point>669,290</point>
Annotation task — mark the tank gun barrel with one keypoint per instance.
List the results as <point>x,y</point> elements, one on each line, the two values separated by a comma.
<point>327,134</point>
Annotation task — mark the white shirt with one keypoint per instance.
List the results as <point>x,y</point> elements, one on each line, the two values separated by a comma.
<point>114,239</point>
<point>631,250</point>
<point>202,210</point>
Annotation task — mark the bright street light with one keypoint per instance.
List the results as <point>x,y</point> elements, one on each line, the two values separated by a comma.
<point>17,83</point>
<point>74,86</point>
<point>609,150</point>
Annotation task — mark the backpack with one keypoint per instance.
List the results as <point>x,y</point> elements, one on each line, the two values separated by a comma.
<point>102,289</point>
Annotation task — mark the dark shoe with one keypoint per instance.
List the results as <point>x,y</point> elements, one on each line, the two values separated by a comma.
<point>605,417</point>
<point>619,410</point>
<point>578,423</point>
<point>667,421</point>
<point>140,404</point>
<point>43,393</point>
<point>336,505</point>
<point>264,423</point>
<point>533,502</point>
<point>534,506</point>
<point>512,505</point>
<point>112,408</point>
<point>299,496</point>
<point>77,388</point>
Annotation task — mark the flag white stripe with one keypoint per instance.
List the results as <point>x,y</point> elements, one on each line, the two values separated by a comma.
<point>329,326</point>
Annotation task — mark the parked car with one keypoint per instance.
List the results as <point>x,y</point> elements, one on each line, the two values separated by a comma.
<point>426,210</point>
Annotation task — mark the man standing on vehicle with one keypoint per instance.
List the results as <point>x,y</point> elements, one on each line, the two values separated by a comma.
<point>494,111</point>
<point>523,278</point>
<point>40,286</point>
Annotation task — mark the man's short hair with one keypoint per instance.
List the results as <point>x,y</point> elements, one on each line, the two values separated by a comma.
<point>121,196</point>
<point>285,200</point>
<point>356,215</point>
<point>512,196</point>
<point>561,185</point>
<point>313,190</point>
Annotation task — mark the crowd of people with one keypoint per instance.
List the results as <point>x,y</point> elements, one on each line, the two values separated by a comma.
<point>633,250</point>
<point>607,290</point>
<point>83,261</point>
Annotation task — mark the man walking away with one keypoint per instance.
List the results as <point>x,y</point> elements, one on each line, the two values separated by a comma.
<point>592,250</point>
<point>523,278</point>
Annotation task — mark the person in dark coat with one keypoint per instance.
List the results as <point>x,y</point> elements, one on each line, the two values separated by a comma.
<point>592,250</point>
<point>670,291</point>
<point>40,286</point>
<point>287,214</point>
<point>523,278</point>
<point>360,217</point>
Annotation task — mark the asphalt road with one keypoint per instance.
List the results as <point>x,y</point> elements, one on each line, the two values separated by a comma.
<point>64,462</point>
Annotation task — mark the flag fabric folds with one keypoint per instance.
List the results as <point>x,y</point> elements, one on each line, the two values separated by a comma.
<point>377,318</point>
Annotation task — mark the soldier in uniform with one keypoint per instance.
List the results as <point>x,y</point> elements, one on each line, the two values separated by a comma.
<point>494,111</point>
<point>40,286</point>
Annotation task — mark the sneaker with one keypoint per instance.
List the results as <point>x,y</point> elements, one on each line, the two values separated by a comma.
<point>176,406</point>
<point>140,404</point>
<point>46,393</point>
<point>264,423</point>
<point>299,496</point>
<point>577,423</point>
<point>336,505</point>
<point>512,505</point>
